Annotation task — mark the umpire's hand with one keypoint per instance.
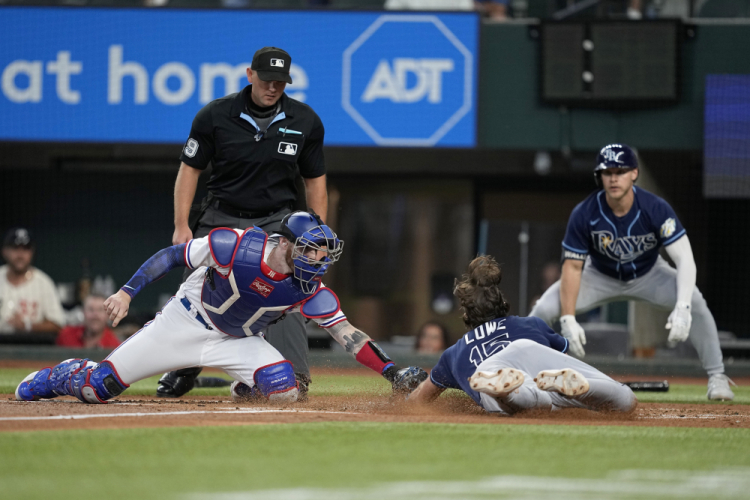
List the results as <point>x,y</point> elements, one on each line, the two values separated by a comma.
<point>117,306</point>
<point>181,235</point>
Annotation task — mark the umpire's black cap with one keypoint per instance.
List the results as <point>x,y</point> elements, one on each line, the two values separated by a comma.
<point>18,237</point>
<point>272,64</point>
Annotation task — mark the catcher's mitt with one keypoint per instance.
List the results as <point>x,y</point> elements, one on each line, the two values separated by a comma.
<point>405,380</point>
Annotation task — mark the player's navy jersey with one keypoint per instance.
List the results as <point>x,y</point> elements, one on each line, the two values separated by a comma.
<point>621,247</point>
<point>460,361</point>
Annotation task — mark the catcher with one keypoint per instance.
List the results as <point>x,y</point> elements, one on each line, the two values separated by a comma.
<point>245,281</point>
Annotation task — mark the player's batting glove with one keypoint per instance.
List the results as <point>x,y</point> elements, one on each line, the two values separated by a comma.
<point>572,331</point>
<point>405,380</point>
<point>679,323</point>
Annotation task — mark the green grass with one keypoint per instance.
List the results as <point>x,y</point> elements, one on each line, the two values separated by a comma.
<point>164,463</point>
<point>342,385</point>
<point>323,385</point>
<point>357,460</point>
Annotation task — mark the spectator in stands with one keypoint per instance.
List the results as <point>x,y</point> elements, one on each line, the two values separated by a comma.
<point>28,298</point>
<point>494,9</point>
<point>94,331</point>
<point>432,338</point>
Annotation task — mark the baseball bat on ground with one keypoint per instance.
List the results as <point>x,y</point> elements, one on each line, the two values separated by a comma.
<point>650,386</point>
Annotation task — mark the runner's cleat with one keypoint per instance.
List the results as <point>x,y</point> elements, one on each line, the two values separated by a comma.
<point>567,382</point>
<point>497,384</point>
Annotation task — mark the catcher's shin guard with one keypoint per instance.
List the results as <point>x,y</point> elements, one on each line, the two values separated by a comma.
<point>277,382</point>
<point>177,383</point>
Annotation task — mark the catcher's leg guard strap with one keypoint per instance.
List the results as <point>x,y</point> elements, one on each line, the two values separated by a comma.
<point>276,381</point>
<point>97,384</point>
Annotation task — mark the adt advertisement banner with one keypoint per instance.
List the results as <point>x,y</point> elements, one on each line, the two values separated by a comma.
<point>140,76</point>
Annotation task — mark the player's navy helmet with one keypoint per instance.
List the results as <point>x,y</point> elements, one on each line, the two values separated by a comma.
<point>614,156</point>
<point>307,231</point>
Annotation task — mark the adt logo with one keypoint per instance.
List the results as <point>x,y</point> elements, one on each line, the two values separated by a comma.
<point>407,80</point>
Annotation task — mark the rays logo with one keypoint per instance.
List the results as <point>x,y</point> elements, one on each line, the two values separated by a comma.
<point>667,229</point>
<point>624,249</point>
<point>610,155</point>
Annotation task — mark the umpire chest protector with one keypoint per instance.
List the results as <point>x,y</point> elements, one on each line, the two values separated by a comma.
<point>251,296</point>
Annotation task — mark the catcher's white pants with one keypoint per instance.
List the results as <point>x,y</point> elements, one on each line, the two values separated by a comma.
<point>174,340</point>
<point>530,358</point>
<point>658,287</point>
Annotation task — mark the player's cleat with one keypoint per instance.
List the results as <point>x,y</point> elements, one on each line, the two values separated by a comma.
<point>34,387</point>
<point>243,393</point>
<point>566,381</point>
<point>177,383</point>
<point>497,384</point>
<point>718,388</point>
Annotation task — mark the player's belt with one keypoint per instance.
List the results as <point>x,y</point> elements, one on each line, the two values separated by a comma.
<point>198,317</point>
<point>245,214</point>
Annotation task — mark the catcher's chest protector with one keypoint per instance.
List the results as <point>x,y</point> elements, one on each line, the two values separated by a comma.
<point>251,296</point>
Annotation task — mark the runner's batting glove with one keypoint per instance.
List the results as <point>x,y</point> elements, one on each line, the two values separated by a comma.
<point>679,323</point>
<point>572,331</point>
<point>405,380</point>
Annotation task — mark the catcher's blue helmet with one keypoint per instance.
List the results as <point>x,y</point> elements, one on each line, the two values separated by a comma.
<point>614,156</point>
<point>306,231</point>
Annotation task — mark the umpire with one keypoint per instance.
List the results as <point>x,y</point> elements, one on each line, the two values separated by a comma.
<point>259,141</point>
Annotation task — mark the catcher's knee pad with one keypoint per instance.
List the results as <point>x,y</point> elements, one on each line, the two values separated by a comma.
<point>277,382</point>
<point>96,383</point>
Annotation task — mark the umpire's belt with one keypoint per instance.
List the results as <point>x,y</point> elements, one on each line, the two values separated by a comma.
<point>198,317</point>
<point>244,214</point>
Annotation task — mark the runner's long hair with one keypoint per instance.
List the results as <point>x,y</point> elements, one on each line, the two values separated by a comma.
<point>479,292</point>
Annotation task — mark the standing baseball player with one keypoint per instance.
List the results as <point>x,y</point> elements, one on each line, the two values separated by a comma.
<point>617,232</point>
<point>257,141</point>
<point>244,281</point>
<point>509,364</point>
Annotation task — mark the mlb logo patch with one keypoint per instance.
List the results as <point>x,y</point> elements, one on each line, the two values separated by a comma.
<point>287,148</point>
<point>261,287</point>
<point>277,63</point>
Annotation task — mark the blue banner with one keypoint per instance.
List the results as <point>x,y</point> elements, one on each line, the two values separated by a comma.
<point>726,137</point>
<point>140,75</point>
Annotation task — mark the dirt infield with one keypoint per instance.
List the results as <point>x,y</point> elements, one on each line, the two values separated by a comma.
<point>69,413</point>
<point>143,411</point>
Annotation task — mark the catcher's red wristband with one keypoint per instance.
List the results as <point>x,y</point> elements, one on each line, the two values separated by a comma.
<point>373,357</point>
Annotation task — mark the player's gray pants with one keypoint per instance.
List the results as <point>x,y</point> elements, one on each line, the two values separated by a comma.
<point>530,358</point>
<point>657,287</point>
<point>288,336</point>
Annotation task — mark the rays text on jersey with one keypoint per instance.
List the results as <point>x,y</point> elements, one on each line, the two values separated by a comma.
<point>624,248</point>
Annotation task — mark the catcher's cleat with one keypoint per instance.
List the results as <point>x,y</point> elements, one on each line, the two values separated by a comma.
<point>243,393</point>
<point>567,382</point>
<point>177,383</point>
<point>497,384</point>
